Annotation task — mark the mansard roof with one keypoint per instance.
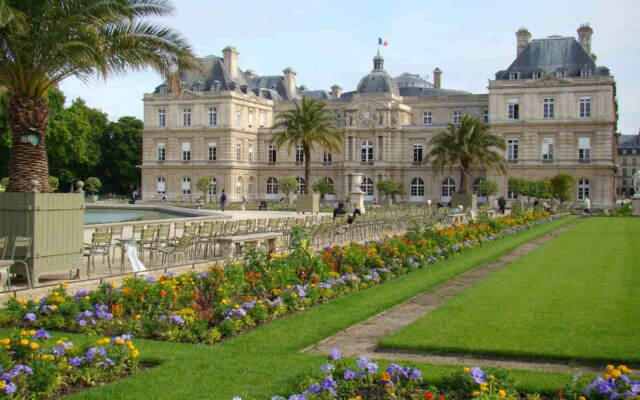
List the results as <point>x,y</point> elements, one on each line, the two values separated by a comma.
<point>549,55</point>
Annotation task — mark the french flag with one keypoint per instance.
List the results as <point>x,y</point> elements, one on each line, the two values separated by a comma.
<point>382,42</point>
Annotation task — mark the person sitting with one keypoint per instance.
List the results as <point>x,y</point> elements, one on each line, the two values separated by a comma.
<point>339,210</point>
<point>263,205</point>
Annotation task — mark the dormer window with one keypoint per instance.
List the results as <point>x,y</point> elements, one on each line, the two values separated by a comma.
<point>585,72</point>
<point>514,75</point>
<point>162,89</point>
<point>536,75</point>
<point>197,88</point>
<point>560,73</point>
<point>215,86</point>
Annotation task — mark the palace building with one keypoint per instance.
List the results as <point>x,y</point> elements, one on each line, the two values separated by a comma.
<point>553,105</point>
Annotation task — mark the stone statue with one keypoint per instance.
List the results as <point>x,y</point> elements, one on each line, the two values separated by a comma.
<point>635,179</point>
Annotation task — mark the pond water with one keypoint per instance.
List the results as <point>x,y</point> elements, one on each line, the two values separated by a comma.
<point>107,216</point>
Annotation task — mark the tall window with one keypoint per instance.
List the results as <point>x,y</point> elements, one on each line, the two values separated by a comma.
<point>272,186</point>
<point>160,185</point>
<point>367,186</point>
<point>583,189</point>
<point>299,154</point>
<point>160,151</point>
<point>547,148</point>
<point>585,107</point>
<point>186,185</point>
<point>162,118</point>
<point>485,116</point>
<point>512,150</point>
<point>213,186</point>
<point>186,151</point>
<point>239,186</point>
<point>513,109</point>
<point>536,75</point>
<point>417,187</point>
<point>186,117</point>
<point>584,148</point>
<point>251,186</point>
<point>213,151</point>
<point>238,151</point>
<point>366,151</point>
<point>448,187</point>
<point>514,75</point>
<point>250,152</point>
<point>327,158</point>
<point>250,119</point>
<point>457,117</point>
<point>427,118</point>
<point>238,118</point>
<point>417,153</point>
<point>273,153</point>
<point>301,185</point>
<point>213,116</point>
<point>261,119</point>
<point>548,107</point>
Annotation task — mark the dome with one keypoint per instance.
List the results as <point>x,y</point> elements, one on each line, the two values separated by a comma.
<point>412,80</point>
<point>378,80</point>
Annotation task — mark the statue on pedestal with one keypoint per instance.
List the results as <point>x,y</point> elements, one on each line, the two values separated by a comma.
<point>635,182</point>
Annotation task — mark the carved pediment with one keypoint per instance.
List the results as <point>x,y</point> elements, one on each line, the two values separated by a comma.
<point>549,80</point>
<point>187,94</point>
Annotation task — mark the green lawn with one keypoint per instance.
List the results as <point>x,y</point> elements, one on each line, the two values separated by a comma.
<point>268,361</point>
<point>575,297</point>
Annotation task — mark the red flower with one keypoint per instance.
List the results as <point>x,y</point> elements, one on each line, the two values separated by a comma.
<point>428,396</point>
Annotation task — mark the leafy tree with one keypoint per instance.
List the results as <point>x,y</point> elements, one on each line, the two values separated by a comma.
<point>92,185</point>
<point>54,182</point>
<point>308,124</point>
<point>121,154</point>
<point>467,145</point>
<point>287,185</point>
<point>204,184</point>
<point>44,42</point>
<point>390,189</point>
<point>487,188</point>
<point>562,186</point>
<point>324,187</point>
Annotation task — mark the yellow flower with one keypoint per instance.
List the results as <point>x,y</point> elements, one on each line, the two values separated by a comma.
<point>138,316</point>
<point>607,377</point>
<point>24,342</point>
<point>55,294</point>
<point>86,297</point>
<point>475,394</point>
<point>64,284</point>
<point>467,370</point>
<point>484,389</point>
<point>5,342</point>
<point>3,384</point>
<point>610,367</point>
<point>135,354</point>
<point>582,398</point>
<point>502,393</point>
<point>119,341</point>
<point>623,368</point>
<point>32,332</point>
<point>616,374</point>
<point>236,306</point>
<point>34,346</point>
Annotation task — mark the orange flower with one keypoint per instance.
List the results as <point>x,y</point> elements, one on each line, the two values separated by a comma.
<point>126,291</point>
<point>163,293</point>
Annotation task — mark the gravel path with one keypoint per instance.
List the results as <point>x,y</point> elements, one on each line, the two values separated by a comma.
<point>362,339</point>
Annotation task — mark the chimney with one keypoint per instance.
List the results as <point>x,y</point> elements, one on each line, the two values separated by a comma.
<point>437,75</point>
<point>584,37</point>
<point>524,37</point>
<point>336,91</point>
<point>250,74</point>
<point>290,80</point>
<point>230,60</point>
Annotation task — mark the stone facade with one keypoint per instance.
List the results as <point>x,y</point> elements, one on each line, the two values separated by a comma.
<point>628,163</point>
<point>219,128</point>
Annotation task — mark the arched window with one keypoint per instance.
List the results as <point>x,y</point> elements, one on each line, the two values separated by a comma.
<point>417,187</point>
<point>366,151</point>
<point>367,186</point>
<point>212,186</point>
<point>239,186</point>
<point>186,185</point>
<point>448,187</point>
<point>583,189</point>
<point>301,185</point>
<point>476,184</point>
<point>160,186</point>
<point>299,154</point>
<point>272,186</point>
<point>252,185</point>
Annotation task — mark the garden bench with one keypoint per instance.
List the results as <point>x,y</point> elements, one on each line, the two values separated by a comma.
<point>456,218</point>
<point>230,244</point>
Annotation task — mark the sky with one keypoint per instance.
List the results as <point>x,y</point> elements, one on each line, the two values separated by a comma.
<point>333,42</point>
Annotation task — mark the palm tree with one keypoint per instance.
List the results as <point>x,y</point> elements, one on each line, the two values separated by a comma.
<point>466,146</point>
<point>308,124</point>
<point>43,42</point>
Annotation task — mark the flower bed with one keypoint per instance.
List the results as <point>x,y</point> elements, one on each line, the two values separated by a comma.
<point>361,379</point>
<point>32,365</point>
<point>204,307</point>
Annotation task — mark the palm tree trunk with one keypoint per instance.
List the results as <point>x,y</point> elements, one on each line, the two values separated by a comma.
<point>28,116</point>
<point>307,168</point>
<point>464,180</point>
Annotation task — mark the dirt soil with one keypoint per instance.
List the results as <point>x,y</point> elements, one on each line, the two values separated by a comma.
<point>362,339</point>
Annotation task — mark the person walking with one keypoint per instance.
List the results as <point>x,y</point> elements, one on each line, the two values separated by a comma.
<point>223,198</point>
<point>587,205</point>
